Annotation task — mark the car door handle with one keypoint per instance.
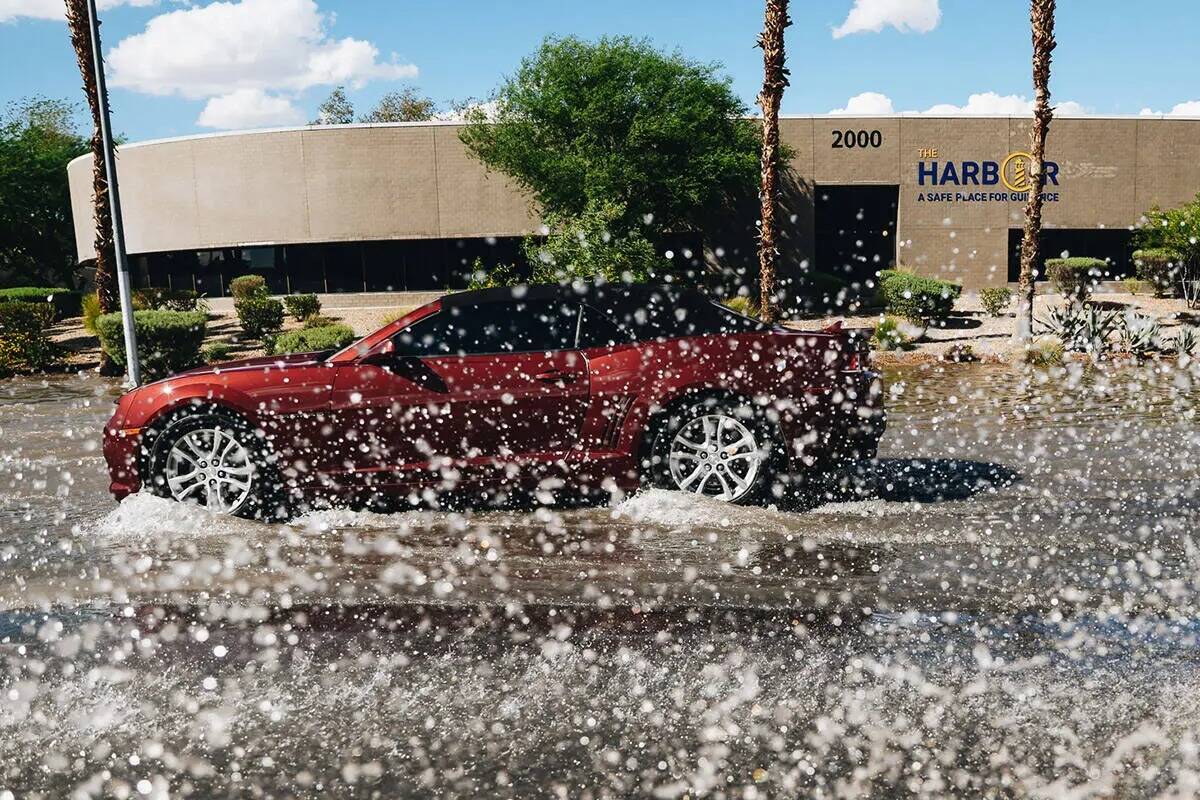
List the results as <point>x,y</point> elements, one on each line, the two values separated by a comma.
<point>555,376</point>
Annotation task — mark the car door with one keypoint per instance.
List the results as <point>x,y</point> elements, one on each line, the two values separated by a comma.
<point>468,391</point>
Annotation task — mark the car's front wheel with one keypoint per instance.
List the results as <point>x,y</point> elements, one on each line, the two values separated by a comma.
<point>717,451</point>
<point>214,460</point>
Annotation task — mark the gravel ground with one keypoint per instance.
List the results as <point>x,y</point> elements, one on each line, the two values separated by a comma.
<point>991,338</point>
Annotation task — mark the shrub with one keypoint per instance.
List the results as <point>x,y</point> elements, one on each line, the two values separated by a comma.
<point>247,286</point>
<point>66,302</point>
<point>484,277</point>
<point>91,310</point>
<point>1044,353</point>
<point>918,299</point>
<point>1074,277</point>
<point>168,300</point>
<point>1133,285</point>
<point>889,335</point>
<point>1159,267</point>
<point>960,353</point>
<point>24,344</point>
<point>216,351</point>
<point>742,304</point>
<point>302,306</point>
<point>318,321</point>
<point>312,340</point>
<point>995,300</point>
<point>167,341</point>
<point>391,316</point>
<point>260,316</point>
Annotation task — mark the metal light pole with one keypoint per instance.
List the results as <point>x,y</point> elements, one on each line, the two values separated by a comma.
<point>133,368</point>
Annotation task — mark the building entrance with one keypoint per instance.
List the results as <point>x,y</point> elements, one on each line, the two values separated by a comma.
<point>856,232</point>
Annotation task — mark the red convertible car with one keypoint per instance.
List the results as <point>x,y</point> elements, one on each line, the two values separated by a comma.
<point>485,394</point>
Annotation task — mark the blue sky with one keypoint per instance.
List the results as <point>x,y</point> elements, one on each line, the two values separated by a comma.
<point>185,66</point>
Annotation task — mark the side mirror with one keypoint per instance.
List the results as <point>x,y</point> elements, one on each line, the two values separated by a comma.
<point>384,356</point>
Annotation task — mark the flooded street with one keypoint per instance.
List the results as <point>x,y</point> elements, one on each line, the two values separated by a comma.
<point>1004,605</point>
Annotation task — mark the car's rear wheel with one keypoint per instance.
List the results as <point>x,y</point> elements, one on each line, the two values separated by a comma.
<point>717,451</point>
<point>214,460</point>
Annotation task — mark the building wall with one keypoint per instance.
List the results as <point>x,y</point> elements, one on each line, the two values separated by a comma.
<point>321,184</point>
<point>416,181</point>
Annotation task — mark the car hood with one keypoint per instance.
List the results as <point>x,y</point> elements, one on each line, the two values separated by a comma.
<point>277,362</point>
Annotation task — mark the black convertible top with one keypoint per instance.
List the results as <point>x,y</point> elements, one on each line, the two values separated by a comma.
<point>646,311</point>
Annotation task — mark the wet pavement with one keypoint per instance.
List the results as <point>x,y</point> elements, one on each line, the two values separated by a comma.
<point>1003,605</point>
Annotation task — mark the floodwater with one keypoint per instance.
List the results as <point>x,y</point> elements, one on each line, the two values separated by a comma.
<point>1004,605</point>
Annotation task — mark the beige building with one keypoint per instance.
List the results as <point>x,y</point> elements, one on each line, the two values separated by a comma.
<point>404,207</point>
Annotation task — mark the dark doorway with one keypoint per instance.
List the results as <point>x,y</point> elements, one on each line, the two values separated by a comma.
<point>856,231</point>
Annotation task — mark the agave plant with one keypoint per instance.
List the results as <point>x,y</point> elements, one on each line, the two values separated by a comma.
<point>1140,333</point>
<point>1082,328</point>
<point>1186,341</point>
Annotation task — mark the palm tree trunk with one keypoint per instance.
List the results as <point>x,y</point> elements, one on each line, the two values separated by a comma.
<point>106,283</point>
<point>1041,20</point>
<point>775,80</point>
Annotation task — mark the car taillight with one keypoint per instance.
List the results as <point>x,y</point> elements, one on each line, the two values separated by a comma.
<point>854,361</point>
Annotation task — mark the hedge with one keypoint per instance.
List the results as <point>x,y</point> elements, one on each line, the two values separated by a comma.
<point>1074,277</point>
<point>302,306</point>
<point>168,300</point>
<point>1158,266</point>
<point>995,299</point>
<point>24,345</point>
<point>313,340</point>
<point>918,299</point>
<point>66,302</point>
<point>167,341</point>
<point>261,316</point>
<point>247,286</point>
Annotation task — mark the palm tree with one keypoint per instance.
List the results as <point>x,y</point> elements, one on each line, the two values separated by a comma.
<point>775,80</point>
<point>1041,21</point>
<point>106,283</point>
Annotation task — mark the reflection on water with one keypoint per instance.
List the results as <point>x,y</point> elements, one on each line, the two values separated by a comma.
<point>1004,605</point>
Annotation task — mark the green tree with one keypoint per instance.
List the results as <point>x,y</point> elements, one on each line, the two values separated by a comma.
<point>335,109</point>
<point>405,106</point>
<point>37,240</point>
<point>618,122</point>
<point>1176,229</point>
<point>586,247</point>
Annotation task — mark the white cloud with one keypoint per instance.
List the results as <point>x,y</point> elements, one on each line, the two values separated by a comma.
<point>1190,108</point>
<point>219,48</point>
<point>921,16</point>
<point>866,104</point>
<point>249,108</point>
<point>54,9</point>
<point>984,104</point>
<point>1013,105</point>
<point>490,109</point>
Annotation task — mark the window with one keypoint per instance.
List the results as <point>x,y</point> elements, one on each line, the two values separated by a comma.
<point>669,314</point>
<point>514,327</point>
<point>597,330</point>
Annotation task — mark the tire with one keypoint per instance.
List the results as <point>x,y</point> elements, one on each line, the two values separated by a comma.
<point>717,448</point>
<point>241,480</point>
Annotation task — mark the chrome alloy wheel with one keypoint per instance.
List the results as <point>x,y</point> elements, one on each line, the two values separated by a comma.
<point>715,455</point>
<point>210,467</point>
